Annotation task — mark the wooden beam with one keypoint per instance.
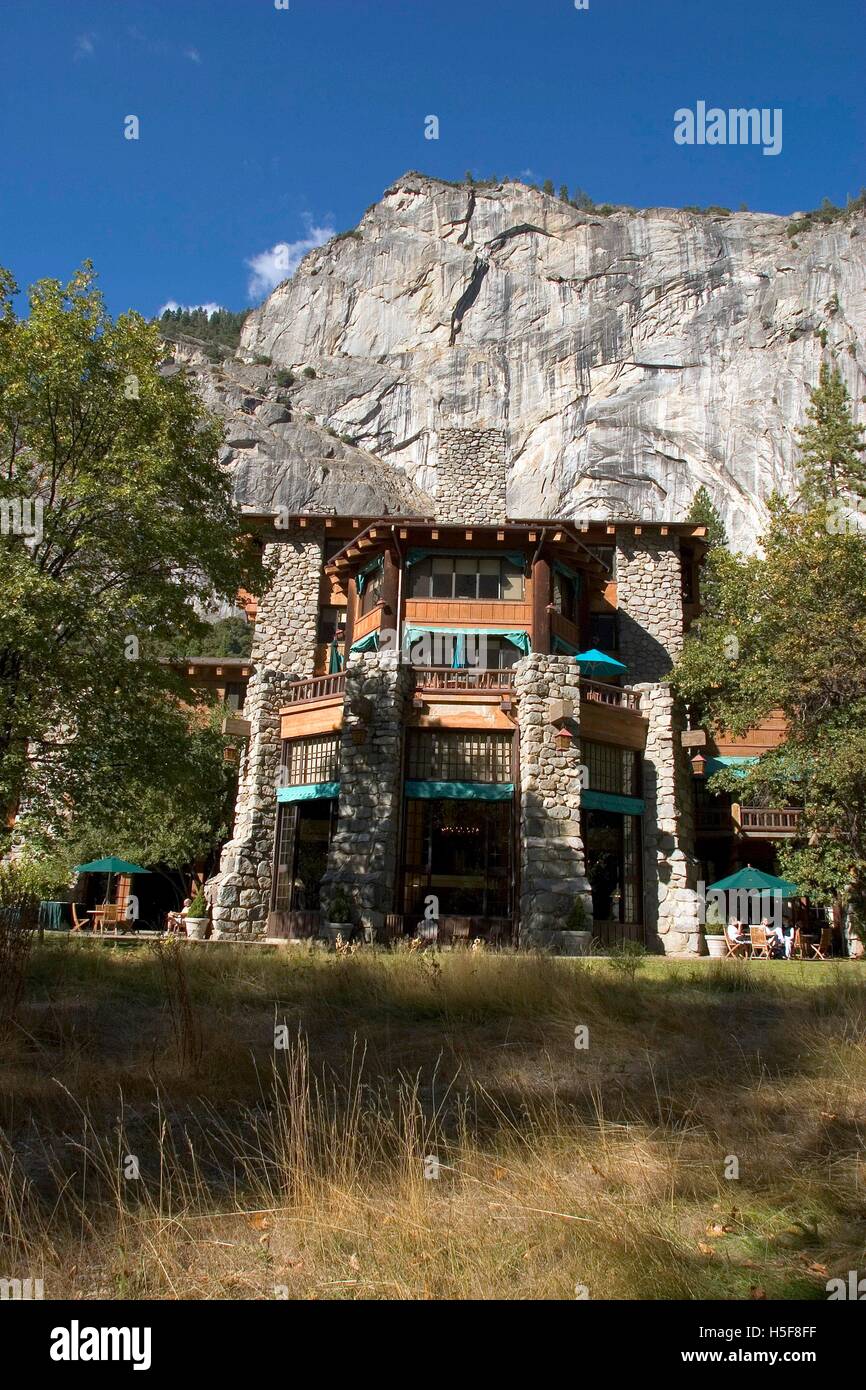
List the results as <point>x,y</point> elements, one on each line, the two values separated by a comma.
<point>541,596</point>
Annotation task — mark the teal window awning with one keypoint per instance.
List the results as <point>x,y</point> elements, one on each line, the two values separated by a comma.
<point>309,791</point>
<point>460,791</point>
<point>370,643</point>
<point>609,801</point>
<point>724,763</point>
<point>517,639</point>
<point>560,645</point>
<point>364,573</point>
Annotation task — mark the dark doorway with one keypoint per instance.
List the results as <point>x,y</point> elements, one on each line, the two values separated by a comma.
<point>460,851</point>
<point>612,849</point>
<point>304,832</point>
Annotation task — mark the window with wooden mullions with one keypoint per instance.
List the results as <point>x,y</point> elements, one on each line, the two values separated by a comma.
<point>468,577</point>
<point>308,760</point>
<point>458,756</point>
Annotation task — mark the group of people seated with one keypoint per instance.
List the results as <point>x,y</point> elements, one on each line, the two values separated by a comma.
<point>780,938</point>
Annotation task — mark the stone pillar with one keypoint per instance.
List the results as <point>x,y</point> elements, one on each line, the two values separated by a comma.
<point>552,870</point>
<point>283,650</point>
<point>364,851</point>
<point>649,603</point>
<point>670,870</point>
<point>471,474</point>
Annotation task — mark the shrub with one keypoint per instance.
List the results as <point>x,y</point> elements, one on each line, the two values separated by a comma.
<point>309,373</point>
<point>285,378</point>
<point>198,906</point>
<point>628,958</point>
<point>341,906</point>
<point>576,919</point>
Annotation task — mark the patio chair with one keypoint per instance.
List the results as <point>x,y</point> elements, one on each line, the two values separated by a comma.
<point>821,947</point>
<point>108,915</point>
<point>736,950</point>
<point>78,923</point>
<point>759,943</point>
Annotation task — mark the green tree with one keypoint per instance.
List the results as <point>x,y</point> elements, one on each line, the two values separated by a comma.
<point>786,630</point>
<point>563,192</point>
<point>137,536</point>
<point>703,512</point>
<point>547,187</point>
<point>831,444</point>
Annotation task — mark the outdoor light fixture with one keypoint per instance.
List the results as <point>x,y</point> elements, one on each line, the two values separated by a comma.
<point>699,765</point>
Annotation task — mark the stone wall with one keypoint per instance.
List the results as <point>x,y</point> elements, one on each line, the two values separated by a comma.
<point>471,476</point>
<point>283,650</point>
<point>650,604</point>
<point>552,871</point>
<point>364,851</point>
<point>670,870</point>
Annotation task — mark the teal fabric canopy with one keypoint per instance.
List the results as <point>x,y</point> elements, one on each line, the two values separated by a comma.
<point>416,553</point>
<point>335,661</point>
<point>309,791</point>
<point>517,639</point>
<point>112,865</point>
<point>720,764</point>
<point>368,569</point>
<point>755,879</point>
<point>370,643</point>
<point>560,645</point>
<point>596,663</point>
<point>609,801</point>
<point>460,791</point>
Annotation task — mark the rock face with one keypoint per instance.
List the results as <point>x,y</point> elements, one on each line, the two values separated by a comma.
<point>627,359</point>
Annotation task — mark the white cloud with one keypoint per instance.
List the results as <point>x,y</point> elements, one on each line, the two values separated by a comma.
<point>282,260</point>
<point>84,46</point>
<point>193,55</point>
<point>173,304</point>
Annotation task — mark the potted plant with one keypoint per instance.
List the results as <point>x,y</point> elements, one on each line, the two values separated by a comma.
<point>576,933</point>
<point>196,918</point>
<point>714,934</point>
<point>339,921</point>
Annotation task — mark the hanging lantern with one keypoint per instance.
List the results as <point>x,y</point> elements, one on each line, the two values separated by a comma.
<point>699,765</point>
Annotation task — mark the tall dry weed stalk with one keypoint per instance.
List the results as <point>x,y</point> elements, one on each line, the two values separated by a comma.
<point>185,1023</point>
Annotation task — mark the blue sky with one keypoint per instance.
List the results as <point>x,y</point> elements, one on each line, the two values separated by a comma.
<point>262,127</point>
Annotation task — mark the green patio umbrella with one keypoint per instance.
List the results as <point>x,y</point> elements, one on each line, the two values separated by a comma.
<point>595,663</point>
<point>751,879</point>
<point>111,866</point>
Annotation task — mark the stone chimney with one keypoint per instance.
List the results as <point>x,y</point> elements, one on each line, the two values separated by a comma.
<point>471,475</point>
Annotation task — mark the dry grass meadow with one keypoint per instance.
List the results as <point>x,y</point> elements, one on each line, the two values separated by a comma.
<point>299,1172</point>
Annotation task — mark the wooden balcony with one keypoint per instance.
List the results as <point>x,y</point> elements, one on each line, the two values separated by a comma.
<point>771,824</point>
<point>460,680</point>
<point>316,688</point>
<point>598,693</point>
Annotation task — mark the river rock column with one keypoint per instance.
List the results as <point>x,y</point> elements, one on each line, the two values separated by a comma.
<point>649,604</point>
<point>283,650</point>
<point>364,853</point>
<point>671,871</point>
<point>552,869</point>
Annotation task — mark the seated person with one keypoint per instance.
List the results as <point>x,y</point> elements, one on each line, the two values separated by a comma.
<point>737,933</point>
<point>175,921</point>
<point>775,938</point>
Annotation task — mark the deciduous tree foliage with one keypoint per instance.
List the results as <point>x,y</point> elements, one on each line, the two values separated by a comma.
<point>138,536</point>
<point>786,629</point>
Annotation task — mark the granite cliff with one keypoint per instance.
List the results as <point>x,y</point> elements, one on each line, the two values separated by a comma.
<point>629,358</point>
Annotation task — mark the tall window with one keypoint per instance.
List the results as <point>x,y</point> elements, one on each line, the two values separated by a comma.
<point>314,759</point>
<point>435,755</point>
<point>466,577</point>
<point>565,596</point>
<point>604,631</point>
<point>610,769</point>
<point>330,620</point>
<point>373,582</point>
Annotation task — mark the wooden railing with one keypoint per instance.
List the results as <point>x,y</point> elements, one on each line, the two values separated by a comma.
<point>600,694</point>
<point>774,822</point>
<point>471,678</point>
<point>316,688</point>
